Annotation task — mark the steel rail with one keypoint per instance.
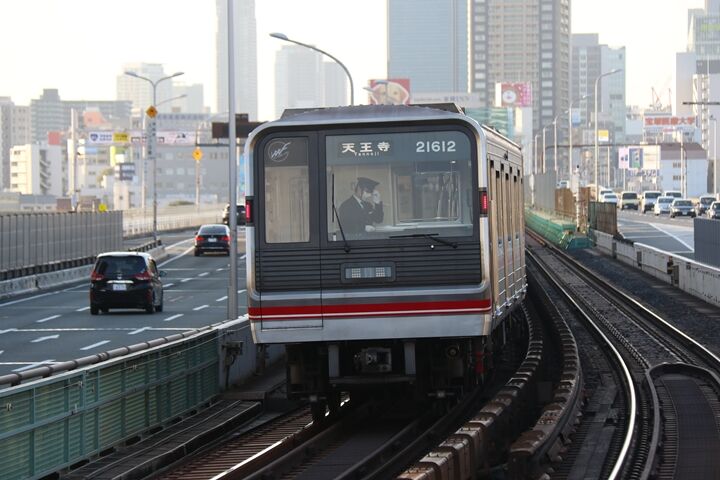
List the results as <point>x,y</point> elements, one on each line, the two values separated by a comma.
<point>626,375</point>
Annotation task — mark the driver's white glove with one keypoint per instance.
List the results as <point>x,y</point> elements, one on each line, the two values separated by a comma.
<point>376,197</point>
<point>369,228</point>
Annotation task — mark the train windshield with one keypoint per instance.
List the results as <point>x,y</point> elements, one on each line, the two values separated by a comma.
<point>389,185</point>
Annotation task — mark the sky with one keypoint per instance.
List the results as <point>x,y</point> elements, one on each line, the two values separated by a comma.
<point>79,46</point>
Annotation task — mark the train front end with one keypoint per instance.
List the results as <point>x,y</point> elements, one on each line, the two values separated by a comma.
<point>367,249</point>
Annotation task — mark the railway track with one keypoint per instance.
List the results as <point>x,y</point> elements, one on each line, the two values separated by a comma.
<point>673,378</point>
<point>381,440</point>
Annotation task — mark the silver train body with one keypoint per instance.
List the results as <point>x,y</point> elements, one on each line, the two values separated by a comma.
<point>384,246</point>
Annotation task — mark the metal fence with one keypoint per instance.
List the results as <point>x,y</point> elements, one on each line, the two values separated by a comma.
<point>707,241</point>
<point>543,191</point>
<point>52,423</point>
<point>603,217</point>
<point>32,240</point>
<point>139,222</point>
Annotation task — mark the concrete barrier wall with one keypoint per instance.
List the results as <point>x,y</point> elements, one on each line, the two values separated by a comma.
<point>58,278</point>
<point>695,278</point>
<point>36,239</point>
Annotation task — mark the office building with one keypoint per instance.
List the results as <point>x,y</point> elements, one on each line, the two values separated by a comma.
<point>139,91</point>
<point>590,59</point>
<point>51,114</point>
<point>303,79</point>
<point>37,169</point>
<point>245,61</point>
<point>192,98</point>
<point>522,41</point>
<point>428,44</point>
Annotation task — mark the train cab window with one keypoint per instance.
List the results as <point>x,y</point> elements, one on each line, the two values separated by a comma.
<point>287,190</point>
<point>399,184</point>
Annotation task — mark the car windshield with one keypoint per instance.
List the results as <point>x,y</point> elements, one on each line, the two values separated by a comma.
<point>213,230</point>
<point>715,205</point>
<point>682,203</point>
<point>121,265</point>
<point>673,194</point>
<point>706,200</point>
<point>610,196</point>
<point>665,199</point>
<point>652,194</point>
<point>629,196</point>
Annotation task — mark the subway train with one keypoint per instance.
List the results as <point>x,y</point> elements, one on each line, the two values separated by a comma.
<point>385,248</point>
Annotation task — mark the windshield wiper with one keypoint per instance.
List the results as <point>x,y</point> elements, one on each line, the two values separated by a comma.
<point>337,215</point>
<point>431,236</point>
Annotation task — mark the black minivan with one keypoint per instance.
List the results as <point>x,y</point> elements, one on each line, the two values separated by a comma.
<point>125,280</point>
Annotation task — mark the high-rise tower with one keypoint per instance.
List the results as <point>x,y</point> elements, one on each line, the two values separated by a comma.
<point>245,58</point>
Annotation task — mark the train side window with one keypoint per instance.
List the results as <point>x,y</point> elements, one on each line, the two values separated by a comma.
<point>287,191</point>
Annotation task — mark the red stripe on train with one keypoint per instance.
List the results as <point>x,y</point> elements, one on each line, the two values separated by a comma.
<point>379,308</point>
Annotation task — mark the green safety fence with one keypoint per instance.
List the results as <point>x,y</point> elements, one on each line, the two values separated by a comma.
<point>555,230</point>
<point>52,423</point>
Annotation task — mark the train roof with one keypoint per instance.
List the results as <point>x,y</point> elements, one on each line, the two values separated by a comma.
<point>370,113</point>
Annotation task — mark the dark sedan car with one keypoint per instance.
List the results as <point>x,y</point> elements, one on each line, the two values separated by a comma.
<point>240,215</point>
<point>212,238</point>
<point>125,280</point>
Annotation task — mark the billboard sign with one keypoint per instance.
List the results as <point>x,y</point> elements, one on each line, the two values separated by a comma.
<point>99,138</point>
<point>464,99</point>
<point>513,94</point>
<point>603,135</point>
<point>125,171</point>
<point>393,91</point>
<point>636,157</point>
<point>623,158</point>
<point>668,123</point>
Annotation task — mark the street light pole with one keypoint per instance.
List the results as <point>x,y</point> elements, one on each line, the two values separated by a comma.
<point>535,158</point>
<point>597,81</point>
<point>555,158</point>
<point>282,36</point>
<point>543,152</point>
<point>152,139</point>
<point>570,135</point>
<point>232,141</point>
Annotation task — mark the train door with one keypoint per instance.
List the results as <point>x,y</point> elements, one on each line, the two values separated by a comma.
<point>498,235</point>
<point>288,259</point>
<point>507,214</point>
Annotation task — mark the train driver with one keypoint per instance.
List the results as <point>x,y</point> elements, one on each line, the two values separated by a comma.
<point>364,208</point>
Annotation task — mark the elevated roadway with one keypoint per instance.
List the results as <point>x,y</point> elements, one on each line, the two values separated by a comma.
<point>673,235</point>
<point>57,326</point>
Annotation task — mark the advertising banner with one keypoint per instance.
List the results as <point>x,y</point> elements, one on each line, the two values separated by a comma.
<point>125,171</point>
<point>99,138</point>
<point>636,157</point>
<point>623,158</point>
<point>603,135</point>
<point>393,91</point>
<point>464,99</point>
<point>513,94</point>
<point>654,124</point>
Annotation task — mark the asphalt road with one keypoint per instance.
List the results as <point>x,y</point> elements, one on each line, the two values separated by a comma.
<point>673,235</point>
<point>56,325</point>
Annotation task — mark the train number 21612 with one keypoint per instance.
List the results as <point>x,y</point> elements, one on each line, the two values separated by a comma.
<point>435,146</point>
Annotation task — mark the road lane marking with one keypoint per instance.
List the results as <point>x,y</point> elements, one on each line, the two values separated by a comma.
<point>690,247</point>
<point>82,309</point>
<point>200,307</point>
<point>139,330</point>
<point>47,337</point>
<point>173,317</point>
<point>6,331</point>
<point>219,269</point>
<point>221,299</point>
<point>244,255</point>
<point>43,320</point>
<point>29,298</point>
<point>169,285</point>
<point>94,345</point>
<point>86,329</point>
<point>2,351</point>
<point>241,291</point>
<point>33,365</point>
<point>190,249</point>
<point>203,274</point>
<point>185,280</point>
